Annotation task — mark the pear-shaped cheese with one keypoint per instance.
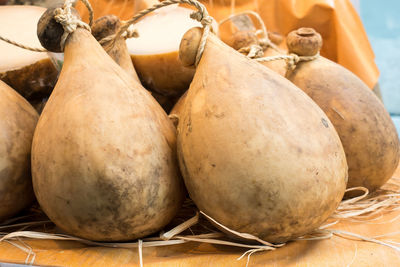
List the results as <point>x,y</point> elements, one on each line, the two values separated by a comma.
<point>368,135</point>
<point>257,154</point>
<point>17,123</point>
<point>103,158</point>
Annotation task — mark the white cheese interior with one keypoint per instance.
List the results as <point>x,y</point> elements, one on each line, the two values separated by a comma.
<point>162,31</point>
<point>19,24</point>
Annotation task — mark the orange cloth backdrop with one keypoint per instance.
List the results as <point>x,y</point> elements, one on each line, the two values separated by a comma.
<point>345,40</point>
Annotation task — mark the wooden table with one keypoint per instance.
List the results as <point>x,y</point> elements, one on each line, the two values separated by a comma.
<point>336,251</point>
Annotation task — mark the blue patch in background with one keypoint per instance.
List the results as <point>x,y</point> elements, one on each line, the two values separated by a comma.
<point>382,23</point>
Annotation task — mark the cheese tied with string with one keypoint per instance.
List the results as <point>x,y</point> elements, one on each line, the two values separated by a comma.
<point>103,155</point>
<point>253,42</point>
<point>366,130</point>
<point>256,153</point>
<point>107,26</point>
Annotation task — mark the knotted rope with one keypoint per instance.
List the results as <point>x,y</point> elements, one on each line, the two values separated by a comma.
<point>252,51</point>
<point>69,22</point>
<point>291,59</point>
<point>255,51</point>
<point>129,33</point>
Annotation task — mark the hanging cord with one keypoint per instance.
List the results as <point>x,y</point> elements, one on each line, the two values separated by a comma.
<point>89,8</point>
<point>255,51</point>
<point>201,15</point>
<point>34,49</point>
<point>64,17</point>
<point>129,33</point>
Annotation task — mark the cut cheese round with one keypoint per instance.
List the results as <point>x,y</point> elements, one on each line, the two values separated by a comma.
<point>155,51</point>
<point>123,9</point>
<point>32,74</point>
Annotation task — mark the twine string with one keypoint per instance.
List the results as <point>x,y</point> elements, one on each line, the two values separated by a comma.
<point>252,51</point>
<point>264,41</point>
<point>26,47</point>
<point>90,9</point>
<point>177,236</point>
<point>200,15</point>
<point>129,33</point>
<point>140,252</point>
<point>257,51</point>
<point>70,23</point>
<point>291,59</point>
<point>64,17</point>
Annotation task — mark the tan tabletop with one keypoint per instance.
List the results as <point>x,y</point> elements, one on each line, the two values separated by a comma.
<point>336,251</point>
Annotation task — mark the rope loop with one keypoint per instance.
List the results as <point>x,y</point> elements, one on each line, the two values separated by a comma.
<point>90,9</point>
<point>263,41</point>
<point>252,51</point>
<point>70,23</point>
<point>199,16</point>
